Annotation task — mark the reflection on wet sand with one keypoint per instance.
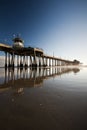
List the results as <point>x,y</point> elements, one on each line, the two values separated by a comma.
<point>20,78</point>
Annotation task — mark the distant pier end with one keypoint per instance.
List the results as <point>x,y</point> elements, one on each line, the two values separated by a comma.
<point>29,56</point>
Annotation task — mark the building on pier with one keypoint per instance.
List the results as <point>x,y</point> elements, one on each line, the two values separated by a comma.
<point>18,43</point>
<point>29,56</point>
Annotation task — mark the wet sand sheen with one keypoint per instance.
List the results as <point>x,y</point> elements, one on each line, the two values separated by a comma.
<point>54,104</point>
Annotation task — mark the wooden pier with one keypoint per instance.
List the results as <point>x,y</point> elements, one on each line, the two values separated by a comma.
<point>29,56</point>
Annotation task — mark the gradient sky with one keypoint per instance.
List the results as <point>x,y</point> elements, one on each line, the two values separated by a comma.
<point>57,26</point>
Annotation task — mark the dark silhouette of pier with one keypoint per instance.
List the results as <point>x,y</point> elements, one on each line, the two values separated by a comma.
<point>29,56</point>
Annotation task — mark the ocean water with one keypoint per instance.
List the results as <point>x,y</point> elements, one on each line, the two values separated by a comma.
<point>43,98</point>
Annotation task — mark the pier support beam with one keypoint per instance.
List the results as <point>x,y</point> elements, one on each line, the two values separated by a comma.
<point>46,61</point>
<point>30,61</point>
<point>13,60</point>
<point>58,63</point>
<point>21,62</point>
<point>35,61</point>
<point>9,63</point>
<point>49,62</point>
<point>26,61</point>
<point>18,61</point>
<point>5,59</point>
<point>39,61</point>
<point>53,62</point>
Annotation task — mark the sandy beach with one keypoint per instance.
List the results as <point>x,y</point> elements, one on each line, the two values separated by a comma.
<point>44,101</point>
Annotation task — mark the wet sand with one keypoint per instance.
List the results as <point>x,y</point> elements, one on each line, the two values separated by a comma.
<point>57,103</point>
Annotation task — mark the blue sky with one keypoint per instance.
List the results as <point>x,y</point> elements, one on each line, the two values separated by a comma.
<point>57,26</point>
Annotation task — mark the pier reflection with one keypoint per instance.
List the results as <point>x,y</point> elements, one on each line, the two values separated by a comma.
<point>20,78</point>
